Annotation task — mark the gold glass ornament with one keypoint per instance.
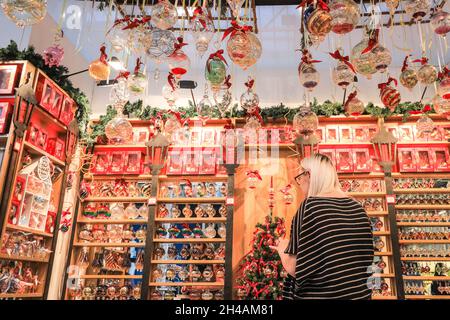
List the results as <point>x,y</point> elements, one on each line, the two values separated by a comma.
<point>342,75</point>
<point>317,21</point>
<point>353,106</point>
<point>305,121</point>
<point>364,63</point>
<point>382,58</point>
<point>427,74</point>
<point>99,69</point>
<point>345,15</point>
<point>408,78</point>
<point>244,49</point>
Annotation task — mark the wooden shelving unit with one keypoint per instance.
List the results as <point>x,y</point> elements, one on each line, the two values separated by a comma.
<point>191,200</point>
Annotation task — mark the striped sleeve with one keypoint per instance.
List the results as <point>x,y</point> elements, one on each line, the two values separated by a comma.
<point>295,230</point>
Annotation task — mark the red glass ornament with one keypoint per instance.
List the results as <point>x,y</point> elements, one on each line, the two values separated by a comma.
<point>389,95</point>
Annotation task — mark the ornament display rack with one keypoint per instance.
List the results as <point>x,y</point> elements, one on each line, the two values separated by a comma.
<point>30,248</point>
<point>85,277</point>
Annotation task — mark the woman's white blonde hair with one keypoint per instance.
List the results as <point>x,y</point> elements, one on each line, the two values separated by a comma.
<point>322,175</point>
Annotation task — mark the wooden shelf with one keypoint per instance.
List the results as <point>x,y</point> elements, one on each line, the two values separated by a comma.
<point>441,175</point>
<point>187,284</point>
<point>366,194</point>
<point>119,146</point>
<point>108,276</point>
<point>188,261</point>
<point>425,259</point>
<point>191,200</point>
<point>190,220</point>
<point>424,207</point>
<point>191,240</point>
<point>98,244</point>
<point>424,241</point>
<point>112,221</point>
<point>360,175</point>
<point>384,298</point>
<point>377,213</point>
<point>217,178</point>
<point>383,275</point>
<point>382,254</point>
<point>22,258</point>
<point>36,151</point>
<point>429,190</point>
<point>100,177</point>
<point>116,199</point>
<point>426,278</point>
<point>29,230</point>
<point>427,297</point>
<point>21,295</point>
<point>423,224</point>
<point>50,117</point>
<point>381,233</point>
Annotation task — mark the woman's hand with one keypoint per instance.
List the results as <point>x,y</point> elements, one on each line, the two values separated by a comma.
<point>281,246</point>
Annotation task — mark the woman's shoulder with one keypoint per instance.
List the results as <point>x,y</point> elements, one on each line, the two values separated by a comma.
<point>317,202</point>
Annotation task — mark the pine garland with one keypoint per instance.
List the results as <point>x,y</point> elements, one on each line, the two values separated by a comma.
<point>56,73</point>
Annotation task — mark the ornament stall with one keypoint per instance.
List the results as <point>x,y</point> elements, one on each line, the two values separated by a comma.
<point>149,161</point>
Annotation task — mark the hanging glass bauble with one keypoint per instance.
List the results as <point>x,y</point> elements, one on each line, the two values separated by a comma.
<point>119,130</point>
<point>117,211</point>
<point>317,21</point>
<point>162,45</point>
<point>305,121</point>
<point>137,83</point>
<point>179,63</point>
<point>140,39</point>
<point>25,12</point>
<point>425,125</point>
<point>244,48</point>
<point>309,76</point>
<point>119,93</point>
<point>131,212</point>
<point>342,75</point>
<point>443,86</point>
<point>382,58</point>
<point>222,98</point>
<point>215,72</point>
<point>392,5</point>
<point>364,63</point>
<point>170,94</point>
<point>253,123</point>
<point>389,95</point>
<point>353,106</point>
<point>417,8</point>
<point>427,74</point>
<point>441,105</point>
<point>202,29</point>
<point>99,69</point>
<point>118,35</point>
<point>205,108</point>
<point>440,22</point>
<point>235,6</point>
<point>249,99</point>
<point>164,15</point>
<point>408,78</point>
<point>210,231</point>
<point>345,15</point>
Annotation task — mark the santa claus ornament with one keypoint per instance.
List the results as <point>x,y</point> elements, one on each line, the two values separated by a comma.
<point>389,95</point>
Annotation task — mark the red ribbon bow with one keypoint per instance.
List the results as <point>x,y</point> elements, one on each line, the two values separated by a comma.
<point>103,55</point>
<point>171,80</point>
<point>227,82</point>
<point>136,23</point>
<point>138,65</point>
<point>249,84</point>
<point>307,58</point>
<point>426,108</point>
<point>256,113</point>
<point>286,189</point>
<point>235,27</point>
<point>373,41</point>
<point>445,73</point>
<point>119,21</point>
<point>382,86</point>
<point>351,96</point>
<point>254,173</point>
<point>345,59</point>
<point>177,115</point>
<point>180,44</point>
<point>405,63</point>
<point>218,54</point>
<point>199,11</point>
<point>229,125</point>
<point>123,74</point>
<point>422,61</point>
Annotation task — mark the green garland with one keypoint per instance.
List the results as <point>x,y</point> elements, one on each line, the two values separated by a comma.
<point>56,73</point>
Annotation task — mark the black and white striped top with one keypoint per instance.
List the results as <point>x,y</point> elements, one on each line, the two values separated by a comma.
<point>332,239</point>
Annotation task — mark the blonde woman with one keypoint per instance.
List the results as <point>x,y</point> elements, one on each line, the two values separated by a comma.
<point>331,246</point>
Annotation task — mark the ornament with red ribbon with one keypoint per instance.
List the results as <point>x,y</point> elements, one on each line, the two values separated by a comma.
<point>123,74</point>
<point>256,113</point>
<point>389,95</point>
<point>133,24</point>
<point>179,62</point>
<point>423,61</point>
<point>138,65</point>
<point>198,14</point>
<point>253,177</point>
<point>308,75</point>
<point>216,55</point>
<point>319,4</point>
<point>103,55</point>
<point>353,106</point>
<point>445,73</point>
<point>235,27</point>
<point>408,78</point>
<point>345,59</point>
<point>307,58</point>
<point>288,198</point>
<point>373,41</point>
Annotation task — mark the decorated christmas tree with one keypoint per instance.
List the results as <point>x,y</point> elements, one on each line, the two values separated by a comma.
<point>261,272</point>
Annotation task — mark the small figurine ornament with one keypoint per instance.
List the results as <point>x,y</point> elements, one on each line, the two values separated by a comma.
<point>54,54</point>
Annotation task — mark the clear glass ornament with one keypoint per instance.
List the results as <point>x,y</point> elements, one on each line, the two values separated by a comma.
<point>139,39</point>
<point>131,212</point>
<point>222,231</point>
<point>317,21</point>
<point>252,124</point>
<point>249,100</point>
<point>25,12</point>
<point>342,75</point>
<point>244,49</point>
<point>441,105</point>
<point>137,83</point>
<point>345,15</point>
<point>427,74</point>
<point>215,72</point>
<point>143,211</point>
<point>222,98</point>
<point>118,37</point>
<point>315,40</point>
<point>425,124</point>
<point>235,6</point>
<point>205,107</point>
<point>162,45</point>
<point>170,94</point>
<point>382,58</point>
<point>207,295</point>
<point>119,93</point>
<point>202,29</point>
<point>305,121</point>
<point>119,130</point>
<point>440,22</point>
<point>117,211</point>
<point>164,15</point>
<point>309,76</point>
<point>364,64</point>
<point>443,88</point>
<point>408,78</point>
<point>417,8</point>
<point>179,63</point>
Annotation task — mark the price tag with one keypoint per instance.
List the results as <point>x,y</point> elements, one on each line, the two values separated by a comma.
<point>230,201</point>
<point>151,201</point>
<point>390,199</point>
<point>17,146</point>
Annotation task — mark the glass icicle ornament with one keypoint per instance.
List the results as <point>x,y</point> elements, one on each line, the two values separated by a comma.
<point>308,75</point>
<point>408,77</point>
<point>179,62</point>
<point>222,97</point>
<point>440,22</point>
<point>389,95</point>
<point>202,29</point>
<point>25,12</point>
<point>205,107</point>
<point>169,91</point>
<point>215,70</point>
<point>99,69</point>
<point>55,53</point>
<point>249,99</point>
<point>162,45</point>
<point>443,86</point>
<point>344,73</point>
<point>425,125</point>
<point>164,15</point>
<point>382,58</point>
<point>305,121</point>
<point>427,73</point>
<point>441,105</point>
<point>118,35</point>
<point>353,106</point>
<point>345,15</point>
<point>138,80</point>
<point>235,6</point>
<point>364,62</point>
<point>119,129</point>
<point>243,47</point>
<point>318,20</point>
<point>417,8</point>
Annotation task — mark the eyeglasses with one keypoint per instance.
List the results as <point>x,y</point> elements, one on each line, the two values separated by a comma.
<point>298,178</point>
